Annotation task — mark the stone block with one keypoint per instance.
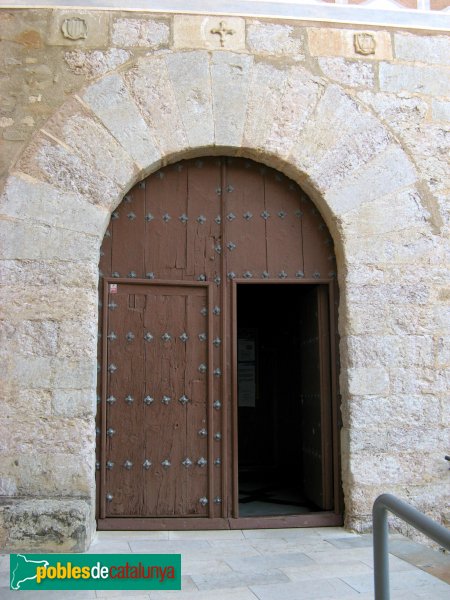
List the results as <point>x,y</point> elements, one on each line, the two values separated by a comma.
<point>280,103</point>
<point>95,63</point>
<point>338,139</point>
<point>386,214</point>
<point>352,74</point>
<point>30,338</point>
<point>151,89</point>
<point>443,351</point>
<point>48,160</point>
<point>28,404</point>
<point>46,373</point>
<point>141,33</point>
<point>341,42</point>
<point>441,110</point>
<point>441,317</point>
<point>389,171</point>
<point>370,468</point>
<point>430,49</point>
<point>297,101</point>
<point>230,75</point>
<point>193,95</point>
<point>45,435</point>
<point>82,134</point>
<point>275,39</point>
<point>364,381</point>
<point>56,273</point>
<point>52,303</point>
<point>45,525</point>
<point>263,102</point>
<point>433,81</point>
<point>399,411</point>
<point>111,101</point>
<point>390,350</point>
<point>191,31</point>
<point>399,111</point>
<point>77,338</point>
<point>75,28</point>
<point>41,241</point>
<point>27,198</point>
<point>74,403</point>
<point>53,474</point>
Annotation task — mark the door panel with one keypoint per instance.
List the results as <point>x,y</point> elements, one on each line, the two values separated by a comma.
<point>316,431</point>
<point>156,400</point>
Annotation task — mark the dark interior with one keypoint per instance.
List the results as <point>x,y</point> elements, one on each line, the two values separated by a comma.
<point>270,419</point>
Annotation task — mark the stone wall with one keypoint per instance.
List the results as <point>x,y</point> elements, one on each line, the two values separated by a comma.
<point>360,122</point>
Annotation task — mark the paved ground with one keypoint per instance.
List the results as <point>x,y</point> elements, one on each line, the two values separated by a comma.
<point>270,564</point>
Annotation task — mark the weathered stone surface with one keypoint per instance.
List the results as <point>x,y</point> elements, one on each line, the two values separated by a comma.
<point>45,524</point>
<point>47,160</point>
<point>82,134</point>
<point>280,103</point>
<point>27,198</point>
<point>399,411</point>
<point>191,31</point>
<point>28,404</point>
<point>391,350</point>
<point>74,403</point>
<point>275,39</point>
<point>230,74</point>
<point>97,26</point>
<point>420,438</point>
<point>110,100</point>
<point>389,213</point>
<point>340,42</point>
<point>24,273</point>
<point>348,73</point>
<point>30,338</point>
<point>441,110</point>
<point>151,88</point>
<point>143,33</point>
<point>432,81</point>
<point>96,63</point>
<point>432,50</point>
<point>76,337</point>
<point>193,95</point>
<point>41,241</point>
<point>45,372</point>
<point>44,435</point>
<point>389,171</point>
<point>332,148</point>
<point>368,381</point>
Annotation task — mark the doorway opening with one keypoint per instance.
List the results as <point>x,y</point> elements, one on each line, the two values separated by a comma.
<point>284,407</point>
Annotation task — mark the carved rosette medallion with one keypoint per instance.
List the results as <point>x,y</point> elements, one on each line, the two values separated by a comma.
<point>365,43</point>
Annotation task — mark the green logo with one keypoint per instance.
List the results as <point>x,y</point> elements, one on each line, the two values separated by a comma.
<point>95,571</point>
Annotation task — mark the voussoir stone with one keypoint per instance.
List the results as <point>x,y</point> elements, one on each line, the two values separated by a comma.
<point>27,198</point>
<point>112,103</point>
<point>230,80</point>
<point>151,89</point>
<point>84,135</point>
<point>47,160</point>
<point>193,95</point>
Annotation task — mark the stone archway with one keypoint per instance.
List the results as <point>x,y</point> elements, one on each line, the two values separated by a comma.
<point>56,206</point>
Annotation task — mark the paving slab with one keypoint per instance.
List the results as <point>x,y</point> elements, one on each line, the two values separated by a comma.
<point>334,588</point>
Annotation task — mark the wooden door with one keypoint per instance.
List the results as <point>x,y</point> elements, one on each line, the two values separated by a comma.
<point>316,430</point>
<point>156,443</point>
<point>176,243</point>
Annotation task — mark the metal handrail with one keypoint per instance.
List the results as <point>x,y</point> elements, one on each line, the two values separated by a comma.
<point>410,515</point>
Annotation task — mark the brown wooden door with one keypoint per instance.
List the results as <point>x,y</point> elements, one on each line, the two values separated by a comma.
<point>174,246</point>
<point>316,431</point>
<point>156,405</point>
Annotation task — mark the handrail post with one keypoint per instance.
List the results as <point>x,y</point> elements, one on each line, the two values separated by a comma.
<point>410,515</point>
<point>380,551</point>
